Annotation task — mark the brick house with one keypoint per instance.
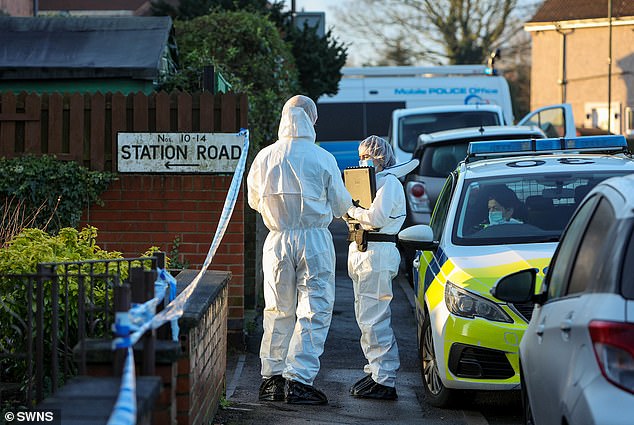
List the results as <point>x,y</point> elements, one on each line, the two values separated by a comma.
<point>582,57</point>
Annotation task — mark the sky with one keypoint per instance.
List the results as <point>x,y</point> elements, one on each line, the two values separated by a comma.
<point>357,49</point>
<point>328,6</point>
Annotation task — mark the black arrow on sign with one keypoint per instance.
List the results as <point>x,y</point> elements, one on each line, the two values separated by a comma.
<point>169,164</point>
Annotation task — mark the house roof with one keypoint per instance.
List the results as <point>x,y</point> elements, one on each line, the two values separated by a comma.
<point>46,48</point>
<point>572,10</point>
<point>45,5</point>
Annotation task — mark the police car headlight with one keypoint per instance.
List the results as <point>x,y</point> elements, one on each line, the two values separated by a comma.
<point>466,304</point>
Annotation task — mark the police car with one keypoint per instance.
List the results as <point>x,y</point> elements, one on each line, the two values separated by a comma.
<point>502,210</point>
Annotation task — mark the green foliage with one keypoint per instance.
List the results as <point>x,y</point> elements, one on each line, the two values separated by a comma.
<point>174,256</point>
<point>247,49</point>
<point>319,60</point>
<point>33,246</point>
<point>21,256</point>
<point>60,189</point>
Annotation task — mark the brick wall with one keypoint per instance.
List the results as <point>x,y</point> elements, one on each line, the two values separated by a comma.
<point>141,211</point>
<point>200,379</point>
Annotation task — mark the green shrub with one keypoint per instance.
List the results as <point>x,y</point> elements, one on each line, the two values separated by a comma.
<point>21,256</point>
<point>248,51</point>
<point>53,192</point>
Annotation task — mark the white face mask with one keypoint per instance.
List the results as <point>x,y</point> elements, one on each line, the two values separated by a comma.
<point>496,217</point>
<point>366,163</point>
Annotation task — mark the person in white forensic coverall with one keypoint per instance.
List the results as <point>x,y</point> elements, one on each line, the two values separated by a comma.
<point>372,272</point>
<point>297,187</point>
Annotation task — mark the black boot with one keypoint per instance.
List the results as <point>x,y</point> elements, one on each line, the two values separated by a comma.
<point>298,393</point>
<point>367,379</point>
<point>272,389</point>
<point>367,388</point>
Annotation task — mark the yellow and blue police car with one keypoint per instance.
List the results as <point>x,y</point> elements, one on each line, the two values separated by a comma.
<point>501,210</point>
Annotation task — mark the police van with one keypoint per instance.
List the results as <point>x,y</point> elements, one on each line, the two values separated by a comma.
<point>368,97</point>
<point>400,103</point>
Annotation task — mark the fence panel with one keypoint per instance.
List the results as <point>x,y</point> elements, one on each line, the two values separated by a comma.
<point>32,133</point>
<point>55,123</point>
<point>84,127</point>
<point>97,131</point>
<point>8,119</point>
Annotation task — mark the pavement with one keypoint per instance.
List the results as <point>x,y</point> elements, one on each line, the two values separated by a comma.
<point>341,366</point>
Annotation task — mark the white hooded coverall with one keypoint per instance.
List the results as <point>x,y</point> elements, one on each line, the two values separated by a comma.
<point>372,272</point>
<point>297,187</point>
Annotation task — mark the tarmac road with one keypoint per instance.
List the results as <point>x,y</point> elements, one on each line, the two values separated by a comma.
<point>341,366</point>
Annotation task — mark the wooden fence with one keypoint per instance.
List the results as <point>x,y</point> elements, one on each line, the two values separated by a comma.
<point>84,127</point>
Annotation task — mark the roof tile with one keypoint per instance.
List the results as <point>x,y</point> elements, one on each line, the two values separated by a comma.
<point>571,10</point>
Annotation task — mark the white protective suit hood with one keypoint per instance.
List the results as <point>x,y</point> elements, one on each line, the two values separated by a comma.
<point>299,116</point>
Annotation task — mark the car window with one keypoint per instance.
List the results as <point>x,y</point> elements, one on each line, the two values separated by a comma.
<point>567,249</point>
<point>551,121</point>
<point>439,216</point>
<point>539,205</point>
<point>438,159</point>
<point>412,126</point>
<point>593,242</point>
<point>627,276</point>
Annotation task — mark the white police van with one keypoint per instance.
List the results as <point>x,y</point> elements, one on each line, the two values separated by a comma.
<point>400,103</point>
<point>368,96</point>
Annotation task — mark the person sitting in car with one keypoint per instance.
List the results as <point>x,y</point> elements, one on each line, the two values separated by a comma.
<point>502,204</point>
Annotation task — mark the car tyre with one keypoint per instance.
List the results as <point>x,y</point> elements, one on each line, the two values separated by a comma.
<point>436,393</point>
<point>526,405</point>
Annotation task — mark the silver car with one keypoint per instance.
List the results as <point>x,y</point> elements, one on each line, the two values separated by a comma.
<point>577,354</point>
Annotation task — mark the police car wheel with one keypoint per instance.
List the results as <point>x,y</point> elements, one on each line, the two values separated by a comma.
<point>436,394</point>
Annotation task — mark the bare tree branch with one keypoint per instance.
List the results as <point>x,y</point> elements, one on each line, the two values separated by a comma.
<point>434,31</point>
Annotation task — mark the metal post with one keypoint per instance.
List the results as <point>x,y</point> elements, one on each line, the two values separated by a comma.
<point>81,321</point>
<point>122,306</point>
<point>293,12</point>
<point>149,339</point>
<point>39,339</point>
<point>209,79</point>
<point>164,331</point>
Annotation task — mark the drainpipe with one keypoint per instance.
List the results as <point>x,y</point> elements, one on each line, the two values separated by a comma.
<point>35,7</point>
<point>609,64</point>
<point>293,12</point>
<point>563,81</point>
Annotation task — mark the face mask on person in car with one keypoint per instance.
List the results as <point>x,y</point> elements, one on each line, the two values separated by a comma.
<point>496,217</point>
<point>366,163</point>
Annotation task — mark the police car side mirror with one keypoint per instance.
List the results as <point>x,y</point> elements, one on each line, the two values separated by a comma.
<point>518,287</point>
<point>419,236</point>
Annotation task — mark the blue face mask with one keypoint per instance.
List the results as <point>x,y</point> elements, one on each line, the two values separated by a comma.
<point>496,217</point>
<point>366,163</point>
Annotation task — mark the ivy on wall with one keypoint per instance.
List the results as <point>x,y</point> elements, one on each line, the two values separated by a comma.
<point>50,194</point>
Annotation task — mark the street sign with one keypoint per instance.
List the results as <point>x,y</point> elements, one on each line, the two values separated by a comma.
<point>178,152</point>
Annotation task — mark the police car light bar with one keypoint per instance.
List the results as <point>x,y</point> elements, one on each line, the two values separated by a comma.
<point>494,148</point>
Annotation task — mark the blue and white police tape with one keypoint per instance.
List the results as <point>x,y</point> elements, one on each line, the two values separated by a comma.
<point>140,315</point>
<point>175,309</point>
<point>165,277</point>
<point>124,411</point>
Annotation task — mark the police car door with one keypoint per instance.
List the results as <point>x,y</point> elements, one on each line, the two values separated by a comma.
<point>554,120</point>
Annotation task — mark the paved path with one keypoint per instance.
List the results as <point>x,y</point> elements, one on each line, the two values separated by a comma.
<point>341,366</point>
